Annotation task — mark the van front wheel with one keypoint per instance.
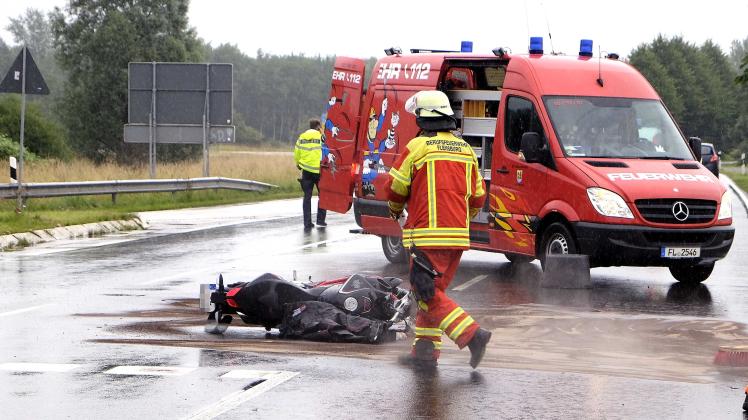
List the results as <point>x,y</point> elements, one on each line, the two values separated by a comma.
<point>557,239</point>
<point>394,250</point>
<point>691,274</point>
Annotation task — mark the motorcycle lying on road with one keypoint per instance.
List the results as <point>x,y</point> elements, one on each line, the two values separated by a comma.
<point>358,308</point>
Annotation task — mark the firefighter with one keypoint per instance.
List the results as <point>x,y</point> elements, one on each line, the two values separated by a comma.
<point>439,178</point>
<point>308,154</point>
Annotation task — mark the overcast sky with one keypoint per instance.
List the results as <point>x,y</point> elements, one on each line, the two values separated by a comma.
<point>364,29</point>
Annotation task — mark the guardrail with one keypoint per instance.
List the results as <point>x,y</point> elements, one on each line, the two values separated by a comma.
<point>62,189</point>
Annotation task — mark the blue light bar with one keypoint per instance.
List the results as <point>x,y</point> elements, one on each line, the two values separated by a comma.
<point>536,45</point>
<point>466,46</point>
<point>585,48</point>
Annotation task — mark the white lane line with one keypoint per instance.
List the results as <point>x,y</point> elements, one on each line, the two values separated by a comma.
<point>20,311</point>
<point>250,374</point>
<point>38,367</point>
<point>240,397</point>
<point>469,283</point>
<point>149,370</point>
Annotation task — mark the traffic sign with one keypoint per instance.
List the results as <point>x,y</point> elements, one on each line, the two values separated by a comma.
<point>35,84</point>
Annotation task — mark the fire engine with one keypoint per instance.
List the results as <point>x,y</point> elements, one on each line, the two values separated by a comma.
<point>579,154</point>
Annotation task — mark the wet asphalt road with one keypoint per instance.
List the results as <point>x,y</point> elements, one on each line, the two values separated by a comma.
<point>75,315</point>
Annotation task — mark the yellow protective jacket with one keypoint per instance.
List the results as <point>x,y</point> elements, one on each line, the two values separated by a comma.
<point>308,150</point>
<point>440,179</point>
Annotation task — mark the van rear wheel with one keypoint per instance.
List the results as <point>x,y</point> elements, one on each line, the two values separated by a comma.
<point>691,273</point>
<point>393,249</point>
<point>557,239</point>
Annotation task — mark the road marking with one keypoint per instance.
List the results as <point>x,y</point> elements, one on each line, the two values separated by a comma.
<point>250,374</point>
<point>149,370</point>
<point>20,311</point>
<point>38,367</point>
<point>240,397</point>
<point>467,284</point>
<point>327,241</point>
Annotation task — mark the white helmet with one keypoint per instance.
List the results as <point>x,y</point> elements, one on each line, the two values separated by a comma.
<point>429,104</point>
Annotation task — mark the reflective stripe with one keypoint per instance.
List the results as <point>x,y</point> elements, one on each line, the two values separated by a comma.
<point>430,332</point>
<point>460,328</point>
<point>442,157</point>
<point>435,242</point>
<point>432,194</point>
<point>398,176</point>
<point>437,344</point>
<point>317,147</point>
<point>309,168</point>
<point>451,317</point>
<point>423,305</point>
<point>469,189</point>
<point>424,232</point>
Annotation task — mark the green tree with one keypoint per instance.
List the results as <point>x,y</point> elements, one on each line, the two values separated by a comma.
<point>42,136</point>
<point>32,29</point>
<point>697,85</point>
<point>95,41</point>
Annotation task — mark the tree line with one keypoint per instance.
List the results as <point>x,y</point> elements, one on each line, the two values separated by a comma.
<point>83,50</point>
<point>701,86</point>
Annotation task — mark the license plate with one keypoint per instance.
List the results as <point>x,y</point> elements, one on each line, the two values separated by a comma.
<point>680,252</point>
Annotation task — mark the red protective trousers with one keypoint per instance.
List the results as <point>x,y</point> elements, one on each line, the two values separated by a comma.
<point>441,314</point>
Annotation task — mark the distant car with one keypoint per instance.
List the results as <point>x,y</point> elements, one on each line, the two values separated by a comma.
<point>710,158</point>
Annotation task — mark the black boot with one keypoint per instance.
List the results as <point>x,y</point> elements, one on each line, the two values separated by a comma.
<point>477,346</point>
<point>422,358</point>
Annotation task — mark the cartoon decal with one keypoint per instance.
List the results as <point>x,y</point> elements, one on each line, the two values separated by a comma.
<point>502,219</point>
<point>373,165</point>
<point>333,130</point>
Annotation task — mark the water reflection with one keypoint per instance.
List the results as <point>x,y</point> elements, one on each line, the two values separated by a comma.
<point>515,284</point>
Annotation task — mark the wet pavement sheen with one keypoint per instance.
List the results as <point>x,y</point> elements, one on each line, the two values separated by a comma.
<point>635,345</point>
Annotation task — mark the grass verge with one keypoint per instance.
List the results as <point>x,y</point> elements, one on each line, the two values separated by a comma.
<point>64,211</point>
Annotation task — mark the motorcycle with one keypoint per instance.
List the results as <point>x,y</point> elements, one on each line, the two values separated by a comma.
<point>358,308</point>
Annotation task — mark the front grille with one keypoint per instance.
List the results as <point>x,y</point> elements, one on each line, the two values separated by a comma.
<point>680,238</point>
<point>660,210</point>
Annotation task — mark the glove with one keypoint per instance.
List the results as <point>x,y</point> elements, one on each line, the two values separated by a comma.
<point>366,167</point>
<point>394,215</point>
<point>332,101</point>
<point>384,105</point>
<point>422,279</point>
<point>335,131</point>
<point>331,159</point>
<point>380,167</point>
<point>395,119</point>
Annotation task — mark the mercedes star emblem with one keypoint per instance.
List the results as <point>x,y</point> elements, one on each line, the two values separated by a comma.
<point>680,211</point>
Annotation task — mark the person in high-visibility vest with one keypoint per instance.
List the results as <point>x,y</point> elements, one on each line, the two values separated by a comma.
<point>439,178</point>
<point>307,155</point>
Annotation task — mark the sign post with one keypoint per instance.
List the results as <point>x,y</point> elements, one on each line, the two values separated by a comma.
<point>23,77</point>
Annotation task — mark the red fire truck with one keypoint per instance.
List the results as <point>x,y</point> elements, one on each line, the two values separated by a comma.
<point>579,153</point>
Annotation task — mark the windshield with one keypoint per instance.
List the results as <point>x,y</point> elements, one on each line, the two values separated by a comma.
<point>615,128</point>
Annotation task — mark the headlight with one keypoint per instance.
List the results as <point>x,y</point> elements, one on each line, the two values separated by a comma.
<point>609,203</point>
<point>725,206</point>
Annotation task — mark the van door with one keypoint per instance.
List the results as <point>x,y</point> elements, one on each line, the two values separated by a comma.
<point>518,188</point>
<point>340,126</point>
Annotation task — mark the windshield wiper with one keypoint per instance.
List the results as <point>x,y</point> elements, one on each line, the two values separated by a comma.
<point>660,158</point>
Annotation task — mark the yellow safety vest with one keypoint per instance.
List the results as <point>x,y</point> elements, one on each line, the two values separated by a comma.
<point>308,151</point>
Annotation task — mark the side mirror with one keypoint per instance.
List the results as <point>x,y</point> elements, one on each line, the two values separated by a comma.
<point>530,146</point>
<point>695,144</point>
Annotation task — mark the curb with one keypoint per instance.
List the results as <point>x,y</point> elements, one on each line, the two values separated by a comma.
<point>21,240</point>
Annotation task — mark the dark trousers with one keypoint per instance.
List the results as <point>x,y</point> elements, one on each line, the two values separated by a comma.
<point>308,181</point>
